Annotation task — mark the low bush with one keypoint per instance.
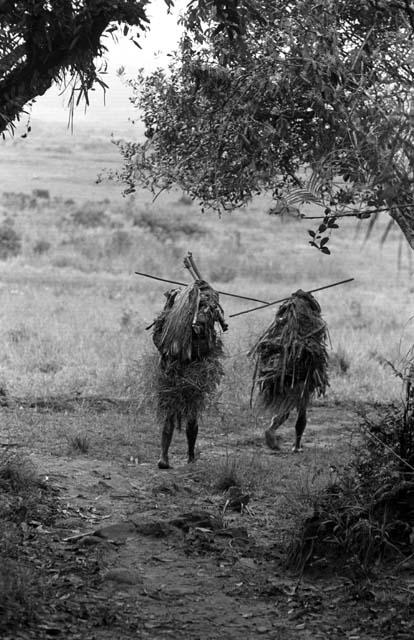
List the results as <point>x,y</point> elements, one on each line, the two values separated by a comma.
<point>78,443</point>
<point>10,242</point>
<point>229,474</point>
<point>119,243</point>
<point>23,494</point>
<point>41,246</point>
<point>91,215</point>
<point>339,361</point>
<point>169,226</point>
<point>25,502</point>
<point>367,515</point>
<point>17,474</point>
<point>19,597</point>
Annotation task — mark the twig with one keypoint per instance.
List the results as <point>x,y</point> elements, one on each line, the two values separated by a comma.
<point>407,464</point>
<point>79,536</point>
<point>269,304</point>
<point>353,214</point>
<point>194,266</point>
<point>185,284</point>
<point>189,266</point>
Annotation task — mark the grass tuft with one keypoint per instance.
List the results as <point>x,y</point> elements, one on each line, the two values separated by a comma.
<point>18,596</point>
<point>339,361</point>
<point>17,474</point>
<point>78,443</point>
<point>250,472</point>
<point>229,474</point>
<point>25,500</point>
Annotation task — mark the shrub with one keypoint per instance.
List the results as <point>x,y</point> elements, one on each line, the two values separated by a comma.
<point>24,501</point>
<point>229,474</point>
<point>247,472</point>
<point>17,474</point>
<point>92,215</point>
<point>18,601</point>
<point>78,443</point>
<point>339,361</point>
<point>41,246</point>
<point>69,261</point>
<point>19,334</point>
<point>10,242</point>
<point>168,226</point>
<point>368,514</point>
<point>41,193</point>
<point>119,243</point>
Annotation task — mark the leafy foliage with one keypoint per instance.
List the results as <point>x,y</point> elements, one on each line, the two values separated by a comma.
<point>265,89</point>
<point>43,42</point>
<point>368,514</point>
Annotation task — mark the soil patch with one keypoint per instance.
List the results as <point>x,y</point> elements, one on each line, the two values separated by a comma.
<point>131,551</point>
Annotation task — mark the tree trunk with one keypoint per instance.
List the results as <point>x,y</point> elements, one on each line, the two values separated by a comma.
<point>404,217</point>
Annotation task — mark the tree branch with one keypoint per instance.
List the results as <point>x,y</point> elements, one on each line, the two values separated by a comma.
<point>73,48</point>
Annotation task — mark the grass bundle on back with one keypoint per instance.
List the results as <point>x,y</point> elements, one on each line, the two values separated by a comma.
<point>190,368</point>
<point>175,323</point>
<point>184,389</point>
<point>291,356</point>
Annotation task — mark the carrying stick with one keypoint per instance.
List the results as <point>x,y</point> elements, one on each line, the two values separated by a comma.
<point>185,284</point>
<point>188,265</point>
<point>269,304</point>
<point>193,264</point>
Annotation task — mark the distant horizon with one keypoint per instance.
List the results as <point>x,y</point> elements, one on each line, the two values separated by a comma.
<point>113,109</point>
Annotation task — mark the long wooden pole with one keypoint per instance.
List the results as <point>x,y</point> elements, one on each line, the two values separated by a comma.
<point>269,304</point>
<point>184,284</point>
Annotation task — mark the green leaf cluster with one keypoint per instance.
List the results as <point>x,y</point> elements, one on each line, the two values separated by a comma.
<point>311,101</point>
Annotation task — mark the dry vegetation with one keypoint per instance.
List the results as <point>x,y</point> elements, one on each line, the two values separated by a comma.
<point>74,313</point>
<point>73,318</point>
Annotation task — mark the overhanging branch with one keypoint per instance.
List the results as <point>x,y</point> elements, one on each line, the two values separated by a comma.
<point>73,48</point>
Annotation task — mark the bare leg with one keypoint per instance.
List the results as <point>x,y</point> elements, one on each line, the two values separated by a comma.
<point>300,428</point>
<point>192,431</point>
<point>166,437</point>
<point>272,440</point>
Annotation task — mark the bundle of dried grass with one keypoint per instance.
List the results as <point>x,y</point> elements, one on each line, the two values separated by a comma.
<point>173,330</point>
<point>185,335</point>
<point>291,356</point>
<point>184,330</point>
<point>184,389</point>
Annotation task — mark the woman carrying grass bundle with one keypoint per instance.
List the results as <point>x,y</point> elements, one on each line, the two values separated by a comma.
<point>190,368</point>
<point>291,363</point>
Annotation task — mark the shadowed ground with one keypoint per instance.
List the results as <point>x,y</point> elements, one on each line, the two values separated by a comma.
<point>163,574</point>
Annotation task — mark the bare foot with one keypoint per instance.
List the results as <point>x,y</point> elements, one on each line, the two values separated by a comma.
<point>272,440</point>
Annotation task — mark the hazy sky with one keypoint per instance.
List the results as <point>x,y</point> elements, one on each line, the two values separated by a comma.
<point>115,108</point>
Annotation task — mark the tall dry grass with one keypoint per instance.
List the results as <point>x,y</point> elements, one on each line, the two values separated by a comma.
<point>73,317</point>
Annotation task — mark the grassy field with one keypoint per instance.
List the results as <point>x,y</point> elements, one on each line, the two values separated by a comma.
<point>73,318</point>
<point>74,314</point>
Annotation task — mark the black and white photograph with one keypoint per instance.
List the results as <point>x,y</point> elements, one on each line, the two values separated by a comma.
<point>207,319</point>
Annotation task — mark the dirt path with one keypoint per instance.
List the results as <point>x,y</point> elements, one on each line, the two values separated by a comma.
<point>141,553</point>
